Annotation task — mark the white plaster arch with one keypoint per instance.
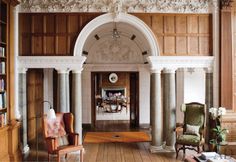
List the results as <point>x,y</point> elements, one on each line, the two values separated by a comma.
<point>121,17</point>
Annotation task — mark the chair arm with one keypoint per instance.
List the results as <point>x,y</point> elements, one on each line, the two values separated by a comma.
<point>179,129</point>
<point>74,138</point>
<point>51,144</point>
<point>202,134</point>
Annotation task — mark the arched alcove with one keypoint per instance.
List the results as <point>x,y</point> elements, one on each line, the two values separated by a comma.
<point>95,41</point>
<point>133,21</point>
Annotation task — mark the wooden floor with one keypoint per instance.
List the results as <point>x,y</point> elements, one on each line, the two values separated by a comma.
<point>108,152</point>
<point>124,152</point>
<point>112,152</point>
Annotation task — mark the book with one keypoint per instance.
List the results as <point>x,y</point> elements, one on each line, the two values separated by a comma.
<point>1,102</point>
<point>4,97</point>
<point>2,120</point>
<point>5,119</point>
<point>217,160</point>
<point>2,52</point>
<point>2,68</point>
<point>2,84</point>
<point>207,155</point>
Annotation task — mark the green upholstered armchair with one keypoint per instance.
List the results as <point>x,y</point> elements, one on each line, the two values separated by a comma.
<point>192,134</point>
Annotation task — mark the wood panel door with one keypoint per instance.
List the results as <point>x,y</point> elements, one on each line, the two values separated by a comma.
<point>34,101</point>
<point>134,99</point>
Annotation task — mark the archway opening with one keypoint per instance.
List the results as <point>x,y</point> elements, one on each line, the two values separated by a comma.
<point>107,54</point>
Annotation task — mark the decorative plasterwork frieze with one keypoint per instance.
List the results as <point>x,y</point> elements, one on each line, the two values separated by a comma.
<point>116,6</point>
<point>57,62</point>
<point>175,62</point>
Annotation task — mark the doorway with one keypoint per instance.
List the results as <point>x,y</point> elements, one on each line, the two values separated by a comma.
<point>115,100</point>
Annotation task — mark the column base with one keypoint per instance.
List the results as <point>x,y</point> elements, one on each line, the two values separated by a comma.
<point>155,149</point>
<point>170,148</point>
<point>161,149</point>
<point>25,149</point>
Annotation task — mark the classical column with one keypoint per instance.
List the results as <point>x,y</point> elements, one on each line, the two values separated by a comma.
<point>77,101</point>
<point>216,49</point>
<point>169,108</point>
<point>22,103</point>
<point>156,112</point>
<point>208,97</point>
<point>67,92</point>
<point>62,90</point>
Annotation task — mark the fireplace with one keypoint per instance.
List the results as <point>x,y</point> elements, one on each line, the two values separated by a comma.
<point>113,92</point>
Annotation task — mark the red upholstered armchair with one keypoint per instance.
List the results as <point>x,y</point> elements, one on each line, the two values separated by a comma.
<point>60,137</point>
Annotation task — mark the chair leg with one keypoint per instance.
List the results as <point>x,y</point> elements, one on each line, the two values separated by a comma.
<point>198,149</point>
<point>48,157</point>
<point>81,155</point>
<point>176,150</point>
<point>58,158</point>
<point>184,151</point>
<point>65,156</point>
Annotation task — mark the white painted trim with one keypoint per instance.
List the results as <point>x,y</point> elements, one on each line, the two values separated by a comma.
<point>114,67</point>
<point>175,62</point>
<point>16,53</point>
<point>57,62</point>
<point>121,17</point>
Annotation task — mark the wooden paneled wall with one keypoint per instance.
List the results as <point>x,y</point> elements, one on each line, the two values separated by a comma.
<point>233,56</point>
<point>181,34</point>
<point>50,34</point>
<point>231,127</point>
<point>123,81</point>
<point>34,101</point>
<point>226,60</point>
<point>55,33</point>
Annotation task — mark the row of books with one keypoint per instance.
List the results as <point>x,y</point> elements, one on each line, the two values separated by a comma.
<point>2,85</point>
<point>3,119</point>
<point>2,52</point>
<point>2,67</point>
<point>3,100</point>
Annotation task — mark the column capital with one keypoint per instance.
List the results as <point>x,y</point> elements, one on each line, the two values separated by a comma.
<point>63,70</point>
<point>22,70</point>
<point>208,70</point>
<point>77,71</point>
<point>215,5</point>
<point>156,71</point>
<point>169,70</point>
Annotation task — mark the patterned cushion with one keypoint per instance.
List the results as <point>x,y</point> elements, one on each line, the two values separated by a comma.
<point>62,141</point>
<point>188,139</point>
<point>192,130</point>
<point>56,127</point>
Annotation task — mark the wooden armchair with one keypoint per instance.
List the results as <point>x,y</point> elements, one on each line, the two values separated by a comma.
<point>60,136</point>
<point>190,134</point>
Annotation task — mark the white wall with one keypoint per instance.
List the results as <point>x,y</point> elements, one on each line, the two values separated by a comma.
<point>190,88</point>
<point>47,88</point>
<point>194,86</point>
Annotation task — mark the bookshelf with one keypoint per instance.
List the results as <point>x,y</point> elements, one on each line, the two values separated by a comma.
<point>3,62</point>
